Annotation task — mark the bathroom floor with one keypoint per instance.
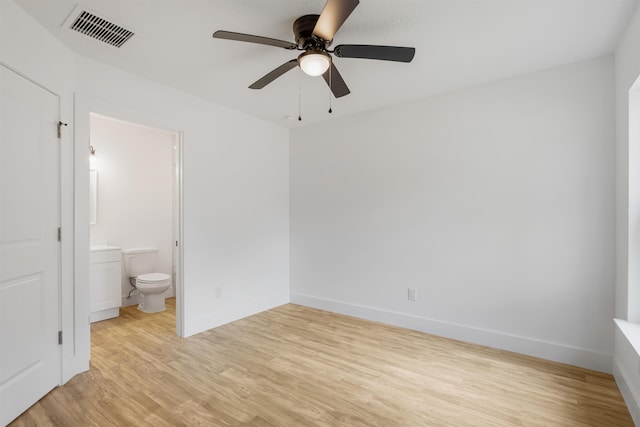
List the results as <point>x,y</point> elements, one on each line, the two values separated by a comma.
<point>297,366</point>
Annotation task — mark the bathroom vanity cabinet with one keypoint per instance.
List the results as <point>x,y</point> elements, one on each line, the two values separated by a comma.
<point>105,273</point>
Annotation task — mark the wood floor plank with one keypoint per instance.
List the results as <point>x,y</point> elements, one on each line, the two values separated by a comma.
<point>297,366</point>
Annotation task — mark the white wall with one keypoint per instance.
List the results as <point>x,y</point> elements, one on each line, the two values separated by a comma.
<point>134,165</point>
<point>496,203</point>
<point>235,190</point>
<point>235,185</point>
<point>627,360</point>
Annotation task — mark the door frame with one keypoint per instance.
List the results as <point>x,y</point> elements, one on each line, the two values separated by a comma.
<point>83,107</point>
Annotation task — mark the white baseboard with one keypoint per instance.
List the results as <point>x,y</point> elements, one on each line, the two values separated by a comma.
<point>109,313</point>
<point>627,392</point>
<point>220,317</point>
<point>518,344</point>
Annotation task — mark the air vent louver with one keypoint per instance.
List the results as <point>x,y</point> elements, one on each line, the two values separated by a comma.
<point>93,26</point>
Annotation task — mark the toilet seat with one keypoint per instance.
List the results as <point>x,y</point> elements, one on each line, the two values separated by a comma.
<point>151,278</point>
<point>147,283</point>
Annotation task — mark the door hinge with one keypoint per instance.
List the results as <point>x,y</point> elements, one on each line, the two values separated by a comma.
<point>59,234</point>
<point>60,124</point>
<point>176,243</point>
<point>59,337</point>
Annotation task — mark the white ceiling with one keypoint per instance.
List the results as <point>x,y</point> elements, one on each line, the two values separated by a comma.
<point>459,43</point>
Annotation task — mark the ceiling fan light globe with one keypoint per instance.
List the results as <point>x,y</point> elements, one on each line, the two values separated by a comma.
<point>314,63</point>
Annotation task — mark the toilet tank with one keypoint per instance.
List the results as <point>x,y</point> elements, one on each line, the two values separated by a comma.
<point>139,261</point>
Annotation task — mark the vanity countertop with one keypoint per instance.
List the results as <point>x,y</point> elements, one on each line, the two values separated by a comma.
<point>96,247</point>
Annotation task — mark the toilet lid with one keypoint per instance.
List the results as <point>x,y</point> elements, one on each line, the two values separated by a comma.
<point>152,277</point>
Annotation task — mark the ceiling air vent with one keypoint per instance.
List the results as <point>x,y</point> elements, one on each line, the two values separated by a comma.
<point>99,28</point>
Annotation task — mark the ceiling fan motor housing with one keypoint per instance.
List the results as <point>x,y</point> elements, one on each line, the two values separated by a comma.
<point>303,32</point>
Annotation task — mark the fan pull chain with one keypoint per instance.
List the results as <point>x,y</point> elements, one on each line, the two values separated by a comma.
<point>330,88</point>
<point>299,107</point>
<point>299,99</point>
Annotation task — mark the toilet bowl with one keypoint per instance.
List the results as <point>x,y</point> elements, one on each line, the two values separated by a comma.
<point>152,287</point>
<point>139,264</point>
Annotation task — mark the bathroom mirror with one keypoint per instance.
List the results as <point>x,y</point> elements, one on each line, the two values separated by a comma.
<point>93,196</point>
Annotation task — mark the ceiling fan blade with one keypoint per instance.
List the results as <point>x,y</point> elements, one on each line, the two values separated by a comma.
<point>337,85</point>
<point>229,35</point>
<point>269,77</point>
<point>366,51</point>
<point>333,15</point>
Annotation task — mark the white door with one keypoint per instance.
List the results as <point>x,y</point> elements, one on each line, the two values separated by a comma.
<point>29,249</point>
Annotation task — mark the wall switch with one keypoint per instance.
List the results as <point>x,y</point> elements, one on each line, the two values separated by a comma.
<point>218,292</point>
<point>412,294</point>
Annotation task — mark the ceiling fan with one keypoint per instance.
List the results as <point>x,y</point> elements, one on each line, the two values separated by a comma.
<point>313,35</point>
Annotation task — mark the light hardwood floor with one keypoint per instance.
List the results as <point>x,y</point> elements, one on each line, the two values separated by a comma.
<point>296,366</point>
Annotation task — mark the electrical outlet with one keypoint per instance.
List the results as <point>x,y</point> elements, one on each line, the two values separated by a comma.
<point>218,292</point>
<point>412,294</point>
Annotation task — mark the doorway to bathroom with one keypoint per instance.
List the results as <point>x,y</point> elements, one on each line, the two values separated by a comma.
<point>134,202</point>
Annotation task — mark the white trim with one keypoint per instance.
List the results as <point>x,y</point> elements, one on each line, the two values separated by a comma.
<point>179,235</point>
<point>627,350</point>
<point>108,313</point>
<point>631,331</point>
<point>224,316</point>
<point>40,85</point>
<point>84,106</point>
<point>533,347</point>
<point>628,393</point>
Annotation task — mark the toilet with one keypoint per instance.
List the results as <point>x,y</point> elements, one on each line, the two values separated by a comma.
<point>139,264</point>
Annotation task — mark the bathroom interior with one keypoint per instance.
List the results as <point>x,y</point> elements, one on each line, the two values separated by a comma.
<point>133,205</point>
